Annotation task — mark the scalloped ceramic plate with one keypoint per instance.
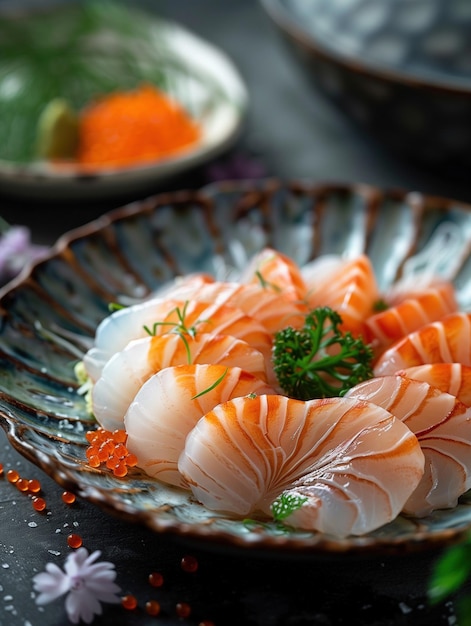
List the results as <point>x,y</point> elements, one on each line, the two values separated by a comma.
<point>212,89</point>
<point>130,252</point>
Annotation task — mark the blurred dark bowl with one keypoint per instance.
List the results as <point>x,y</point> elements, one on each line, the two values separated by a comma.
<point>399,68</point>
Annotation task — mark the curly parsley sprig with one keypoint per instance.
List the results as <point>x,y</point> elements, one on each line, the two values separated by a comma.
<point>319,360</point>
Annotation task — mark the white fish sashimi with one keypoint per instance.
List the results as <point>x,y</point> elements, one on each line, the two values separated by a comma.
<point>272,309</point>
<point>168,406</point>
<point>453,378</point>
<point>127,370</point>
<point>159,316</point>
<point>120,327</point>
<point>442,425</point>
<point>355,462</point>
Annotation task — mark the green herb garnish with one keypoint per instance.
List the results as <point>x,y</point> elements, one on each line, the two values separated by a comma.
<point>179,328</point>
<point>285,505</point>
<point>319,360</point>
<point>265,283</point>
<point>115,306</point>
<point>380,305</point>
<point>281,508</point>
<point>211,387</point>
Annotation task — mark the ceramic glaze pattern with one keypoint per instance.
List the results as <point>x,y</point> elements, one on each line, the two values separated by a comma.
<point>49,314</point>
<point>397,68</point>
<point>421,37</point>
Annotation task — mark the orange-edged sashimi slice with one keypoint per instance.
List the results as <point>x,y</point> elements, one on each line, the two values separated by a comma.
<point>441,423</point>
<point>353,462</point>
<point>445,341</point>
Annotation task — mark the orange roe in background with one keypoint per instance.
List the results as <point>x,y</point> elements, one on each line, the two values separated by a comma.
<point>130,128</point>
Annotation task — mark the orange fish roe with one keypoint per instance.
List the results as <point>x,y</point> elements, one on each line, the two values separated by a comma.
<point>68,497</point>
<point>39,504</point>
<point>108,448</point>
<point>1,469</point>
<point>74,541</point>
<point>13,476</point>
<point>22,484</point>
<point>189,564</point>
<point>129,602</point>
<point>128,128</point>
<point>34,486</point>
<point>156,579</point>
<point>183,609</point>
<point>152,607</point>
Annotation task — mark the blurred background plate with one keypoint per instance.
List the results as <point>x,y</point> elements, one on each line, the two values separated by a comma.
<point>50,315</point>
<point>197,74</point>
<point>399,69</point>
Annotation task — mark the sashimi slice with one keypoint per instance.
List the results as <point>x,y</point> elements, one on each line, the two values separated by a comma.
<point>169,404</point>
<point>271,308</point>
<point>128,370</point>
<point>382,329</point>
<point>357,462</point>
<point>441,423</point>
<point>349,288</point>
<point>276,272</point>
<point>454,378</point>
<point>445,341</point>
<point>161,315</point>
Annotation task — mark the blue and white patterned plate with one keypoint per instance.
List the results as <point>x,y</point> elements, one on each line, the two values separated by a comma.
<point>130,252</point>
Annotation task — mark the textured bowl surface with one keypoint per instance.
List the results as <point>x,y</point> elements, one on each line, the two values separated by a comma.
<point>400,69</point>
<point>49,315</point>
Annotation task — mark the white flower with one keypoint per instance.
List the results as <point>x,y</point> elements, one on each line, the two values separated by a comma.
<point>87,584</point>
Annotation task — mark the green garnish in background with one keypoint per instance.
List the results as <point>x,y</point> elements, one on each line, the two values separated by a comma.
<point>57,131</point>
<point>449,574</point>
<point>72,54</point>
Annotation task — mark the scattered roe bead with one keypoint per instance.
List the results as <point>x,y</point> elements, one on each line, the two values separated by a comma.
<point>156,579</point>
<point>39,504</point>
<point>74,541</point>
<point>152,607</point>
<point>68,497</point>
<point>189,564</point>
<point>129,602</point>
<point>22,485</point>
<point>12,476</point>
<point>34,486</point>
<point>183,609</point>
<point>1,469</point>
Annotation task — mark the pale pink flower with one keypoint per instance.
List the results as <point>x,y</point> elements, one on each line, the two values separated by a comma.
<point>86,584</point>
<point>17,250</point>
